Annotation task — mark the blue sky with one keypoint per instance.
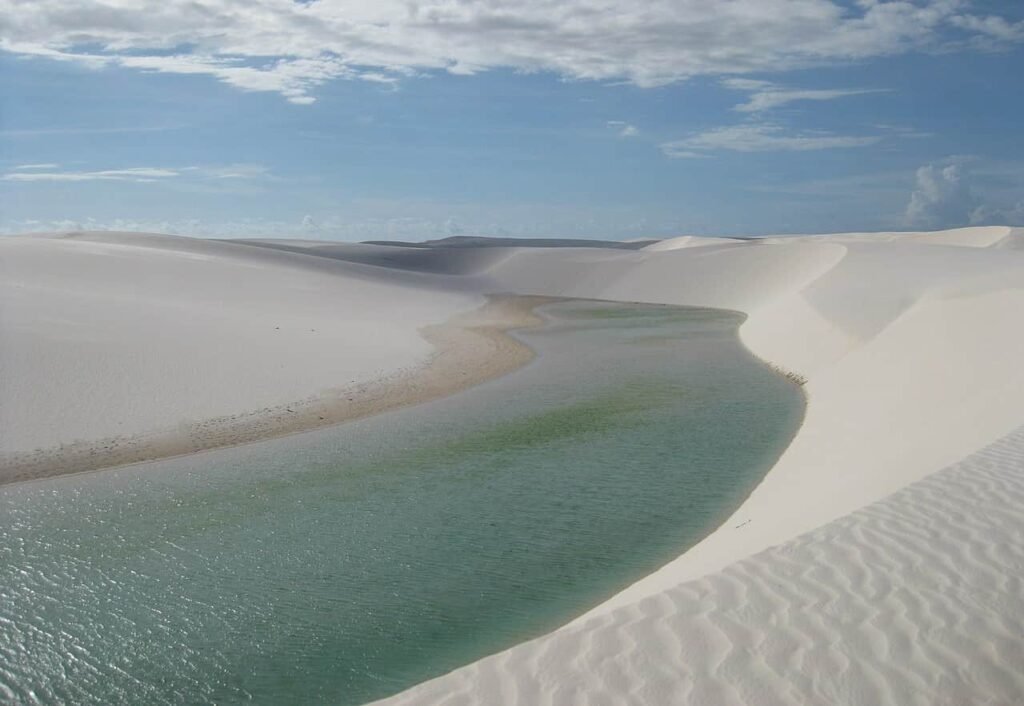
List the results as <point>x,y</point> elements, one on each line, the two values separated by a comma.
<point>583,118</point>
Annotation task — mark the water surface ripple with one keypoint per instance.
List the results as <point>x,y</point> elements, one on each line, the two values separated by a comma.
<point>346,564</point>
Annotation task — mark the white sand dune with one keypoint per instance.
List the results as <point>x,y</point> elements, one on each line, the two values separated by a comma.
<point>915,337</point>
<point>911,346</point>
<point>114,335</point>
<point>916,599</point>
<point>689,241</point>
<point>823,587</point>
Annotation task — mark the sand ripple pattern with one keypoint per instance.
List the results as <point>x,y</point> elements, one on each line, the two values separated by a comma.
<point>916,599</point>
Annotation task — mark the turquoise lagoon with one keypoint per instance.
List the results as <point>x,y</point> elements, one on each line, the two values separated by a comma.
<point>346,564</point>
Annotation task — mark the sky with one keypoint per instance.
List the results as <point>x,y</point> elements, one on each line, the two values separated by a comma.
<point>419,119</point>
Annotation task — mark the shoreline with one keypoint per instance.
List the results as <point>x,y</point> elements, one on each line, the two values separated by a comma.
<point>872,327</point>
<point>651,583</point>
<point>641,585</point>
<point>469,349</point>
<point>868,369</point>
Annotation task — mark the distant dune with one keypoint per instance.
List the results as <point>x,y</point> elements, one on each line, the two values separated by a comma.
<point>470,241</point>
<point>857,572</point>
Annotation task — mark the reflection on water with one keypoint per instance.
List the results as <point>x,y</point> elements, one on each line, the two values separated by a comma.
<point>346,564</point>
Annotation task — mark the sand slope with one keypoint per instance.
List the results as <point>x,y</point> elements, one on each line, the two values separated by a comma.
<point>910,349</point>
<point>917,599</point>
<point>910,344</point>
<point>107,335</point>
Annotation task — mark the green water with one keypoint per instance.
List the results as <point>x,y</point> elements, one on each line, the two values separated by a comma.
<point>346,564</point>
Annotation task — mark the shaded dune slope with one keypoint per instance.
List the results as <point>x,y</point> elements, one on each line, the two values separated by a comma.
<point>434,260</point>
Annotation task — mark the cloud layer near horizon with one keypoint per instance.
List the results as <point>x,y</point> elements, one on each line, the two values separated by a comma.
<point>53,173</point>
<point>754,137</point>
<point>292,47</point>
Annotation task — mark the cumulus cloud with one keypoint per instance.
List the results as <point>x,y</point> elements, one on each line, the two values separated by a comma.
<point>988,214</point>
<point>963,191</point>
<point>764,137</point>
<point>942,198</point>
<point>765,95</point>
<point>292,47</point>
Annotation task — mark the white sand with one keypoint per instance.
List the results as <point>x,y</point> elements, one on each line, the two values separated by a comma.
<point>912,352</point>
<point>911,345</point>
<point>917,599</point>
<point>123,347</point>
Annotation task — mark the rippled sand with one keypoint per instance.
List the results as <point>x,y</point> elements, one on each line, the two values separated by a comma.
<point>916,599</point>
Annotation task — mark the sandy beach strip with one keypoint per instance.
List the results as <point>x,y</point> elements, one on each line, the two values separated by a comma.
<point>469,349</point>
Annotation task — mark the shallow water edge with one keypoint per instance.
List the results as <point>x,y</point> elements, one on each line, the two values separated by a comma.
<point>350,562</point>
<point>469,349</point>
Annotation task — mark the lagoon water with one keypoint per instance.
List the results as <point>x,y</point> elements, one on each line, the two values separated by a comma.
<point>346,564</point>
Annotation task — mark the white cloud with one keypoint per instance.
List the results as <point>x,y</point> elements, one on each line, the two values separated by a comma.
<point>1010,215</point>
<point>676,150</point>
<point>292,78</point>
<point>46,165</point>
<point>747,84</point>
<point>948,194</point>
<point>903,131</point>
<point>623,129</point>
<point>30,173</point>
<point>235,171</point>
<point>292,47</point>
<point>989,28</point>
<point>943,197</point>
<point>765,95</point>
<point>760,138</point>
<point>132,174</point>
